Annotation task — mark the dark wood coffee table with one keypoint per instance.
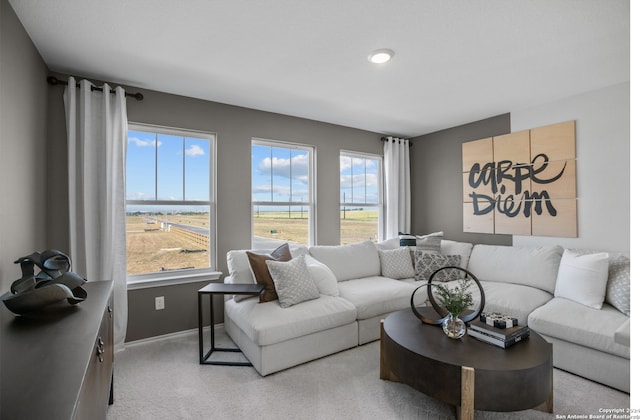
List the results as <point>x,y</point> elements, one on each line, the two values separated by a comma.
<point>466,373</point>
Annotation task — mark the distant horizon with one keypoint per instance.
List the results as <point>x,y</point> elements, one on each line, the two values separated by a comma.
<point>182,210</point>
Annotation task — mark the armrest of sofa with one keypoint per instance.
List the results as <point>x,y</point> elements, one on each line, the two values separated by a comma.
<point>623,334</point>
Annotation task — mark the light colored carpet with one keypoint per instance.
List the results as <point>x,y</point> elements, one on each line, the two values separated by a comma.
<point>163,380</point>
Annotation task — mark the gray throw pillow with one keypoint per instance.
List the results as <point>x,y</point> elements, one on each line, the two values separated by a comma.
<point>428,243</point>
<point>293,281</point>
<point>427,263</point>
<point>619,284</point>
<point>396,263</point>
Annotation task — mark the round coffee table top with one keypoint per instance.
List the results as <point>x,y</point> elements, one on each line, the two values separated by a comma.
<point>431,342</point>
<point>422,356</point>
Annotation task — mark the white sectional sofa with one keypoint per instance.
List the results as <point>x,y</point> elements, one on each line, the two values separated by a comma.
<point>355,296</point>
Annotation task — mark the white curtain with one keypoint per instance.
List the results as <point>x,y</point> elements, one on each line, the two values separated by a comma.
<point>397,184</point>
<point>96,140</point>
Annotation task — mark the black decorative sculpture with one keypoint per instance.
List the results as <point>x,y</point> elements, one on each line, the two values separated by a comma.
<point>441,311</point>
<point>52,284</point>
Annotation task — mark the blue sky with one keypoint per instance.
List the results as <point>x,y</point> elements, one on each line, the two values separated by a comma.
<point>358,180</point>
<point>178,159</point>
<point>278,174</point>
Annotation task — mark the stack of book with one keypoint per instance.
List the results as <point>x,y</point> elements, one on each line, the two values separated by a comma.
<point>501,337</point>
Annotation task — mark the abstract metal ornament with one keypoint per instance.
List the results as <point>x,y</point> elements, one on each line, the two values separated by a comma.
<point>442,311</point>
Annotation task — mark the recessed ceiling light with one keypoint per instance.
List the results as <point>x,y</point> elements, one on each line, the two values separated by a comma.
<point>380,56</point>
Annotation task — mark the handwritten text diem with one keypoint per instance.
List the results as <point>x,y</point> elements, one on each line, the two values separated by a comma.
<point>498,175</point>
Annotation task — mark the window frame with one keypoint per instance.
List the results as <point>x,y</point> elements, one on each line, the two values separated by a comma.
<point>311,204</point>
<point>380,205</point>
<point>138,281</point>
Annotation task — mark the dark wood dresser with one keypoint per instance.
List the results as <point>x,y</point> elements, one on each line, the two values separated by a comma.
<point>58,363</point>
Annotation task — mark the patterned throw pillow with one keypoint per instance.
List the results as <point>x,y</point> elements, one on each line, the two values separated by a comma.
<point>261,273</point>
<point>428,243</point>
<point>396,263</point>
<point>293,281</point>
<point>619,284</point>
<point>427,263</point>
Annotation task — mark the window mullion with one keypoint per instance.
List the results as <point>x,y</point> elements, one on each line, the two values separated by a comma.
<point>156,166</point>
<point>184,169</point>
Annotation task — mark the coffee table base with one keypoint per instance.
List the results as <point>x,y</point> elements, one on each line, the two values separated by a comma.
<point>465,410</point>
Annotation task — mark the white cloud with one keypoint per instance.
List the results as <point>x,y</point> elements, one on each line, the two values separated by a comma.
<point>296,168</point>
<point>359,181</point>
<point>347,162</point>
<point>194,150</point>
<point>143,143</point>
<point>139,196</point>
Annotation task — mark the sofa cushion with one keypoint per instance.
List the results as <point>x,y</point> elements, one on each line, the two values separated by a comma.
<point>457,248</point>
<point>349,261</point>
<point>582,278</point>
<point>269,323</point>
<point>261,275</point>
<point>396,263</point>
<point>427,263</point>
<point>391,243</point>
<point>623,334</point>
<point>323,277</point>
<point>515,300</point>
<point>293,281</point>
<point>576,323</point>
<point>373,296</point>
<point>535,266</point>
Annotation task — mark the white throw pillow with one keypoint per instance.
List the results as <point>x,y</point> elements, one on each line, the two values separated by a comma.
<point>323,277</point>
<point>396,263</point>
<point>293,281</point>
<point>583,278</point>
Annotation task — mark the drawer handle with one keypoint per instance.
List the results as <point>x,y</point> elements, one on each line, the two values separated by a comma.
<point>100,350</point>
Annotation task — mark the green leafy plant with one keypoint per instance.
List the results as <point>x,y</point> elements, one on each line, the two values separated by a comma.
<point>457,299</point>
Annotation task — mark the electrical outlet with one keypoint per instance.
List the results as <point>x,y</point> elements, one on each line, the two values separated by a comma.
<point>159,303</point>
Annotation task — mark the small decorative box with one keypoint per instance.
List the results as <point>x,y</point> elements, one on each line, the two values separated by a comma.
<point>498,320</point>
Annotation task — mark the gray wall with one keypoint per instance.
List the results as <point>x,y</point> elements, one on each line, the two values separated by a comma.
<point>235,126</point>
<point>436,180</point>
<point>23,146</point>
<point>603,171</point>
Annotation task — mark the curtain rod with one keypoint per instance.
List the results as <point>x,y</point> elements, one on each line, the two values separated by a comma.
<point>52,80</point>
<point>393,141</point>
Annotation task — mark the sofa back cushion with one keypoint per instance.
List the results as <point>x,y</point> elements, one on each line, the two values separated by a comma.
<point>457,248</point>
<point>530,266</point>
<point>348,262</point>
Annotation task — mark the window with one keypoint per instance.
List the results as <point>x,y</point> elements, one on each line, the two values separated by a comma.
<point>169,203</point>
<point>283,193</point>
<point>360,197</point>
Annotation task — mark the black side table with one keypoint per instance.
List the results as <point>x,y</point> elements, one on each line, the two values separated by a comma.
<point>221,289</point>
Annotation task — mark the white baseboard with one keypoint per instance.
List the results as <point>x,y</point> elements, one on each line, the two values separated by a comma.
<point>178,334</point>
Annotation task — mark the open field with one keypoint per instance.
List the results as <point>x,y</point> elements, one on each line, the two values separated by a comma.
<point>355,226</point>
<point>152,249</point>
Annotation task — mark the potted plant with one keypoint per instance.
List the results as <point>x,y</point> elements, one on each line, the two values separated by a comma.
<point>456,300</point>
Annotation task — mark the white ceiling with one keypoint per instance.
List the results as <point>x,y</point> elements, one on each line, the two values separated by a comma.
<point>456,61</point>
